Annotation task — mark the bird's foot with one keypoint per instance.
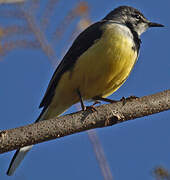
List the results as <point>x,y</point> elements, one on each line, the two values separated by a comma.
<point>105,99</point>
<point>96,102</point>
<point>90,108</point>
<point>124,100</point>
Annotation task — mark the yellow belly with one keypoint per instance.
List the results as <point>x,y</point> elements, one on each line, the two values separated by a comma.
<point>100,71</point>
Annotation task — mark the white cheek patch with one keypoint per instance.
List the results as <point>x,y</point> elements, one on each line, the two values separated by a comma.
<point>141,28</point>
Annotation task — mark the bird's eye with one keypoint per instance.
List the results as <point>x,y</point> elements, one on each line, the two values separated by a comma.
<point>137,16</point>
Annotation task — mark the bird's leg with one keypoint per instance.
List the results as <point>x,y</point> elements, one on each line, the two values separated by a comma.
<point>96,102</point>
<point>81,100</point>
<point>92,108</point>
<point>98,98</point>
<point>123,99</point>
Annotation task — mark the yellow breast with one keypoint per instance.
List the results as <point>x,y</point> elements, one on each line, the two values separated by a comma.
<point>106,65</point>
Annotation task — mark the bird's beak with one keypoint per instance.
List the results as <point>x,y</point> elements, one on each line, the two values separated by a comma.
<point>152,24</point>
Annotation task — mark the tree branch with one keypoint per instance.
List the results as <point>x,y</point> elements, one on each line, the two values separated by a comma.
<point>105,115</point>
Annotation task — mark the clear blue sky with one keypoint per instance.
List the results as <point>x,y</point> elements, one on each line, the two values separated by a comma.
<point>132,148</point>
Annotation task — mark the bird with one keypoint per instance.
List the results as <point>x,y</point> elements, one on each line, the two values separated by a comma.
<point>98,62</point>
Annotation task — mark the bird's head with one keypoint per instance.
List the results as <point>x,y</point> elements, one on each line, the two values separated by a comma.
<point>132,18</point>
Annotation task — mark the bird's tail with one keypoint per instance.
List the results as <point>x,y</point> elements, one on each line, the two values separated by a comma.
<point>20,153</point>
<point>17,158</point>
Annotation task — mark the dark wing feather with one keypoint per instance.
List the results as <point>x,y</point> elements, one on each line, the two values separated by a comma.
<point>84,41</point>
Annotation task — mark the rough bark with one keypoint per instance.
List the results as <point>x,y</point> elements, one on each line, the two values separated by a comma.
<point>102,116</point>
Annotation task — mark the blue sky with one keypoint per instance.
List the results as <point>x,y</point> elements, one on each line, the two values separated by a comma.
<point>133,149</point>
